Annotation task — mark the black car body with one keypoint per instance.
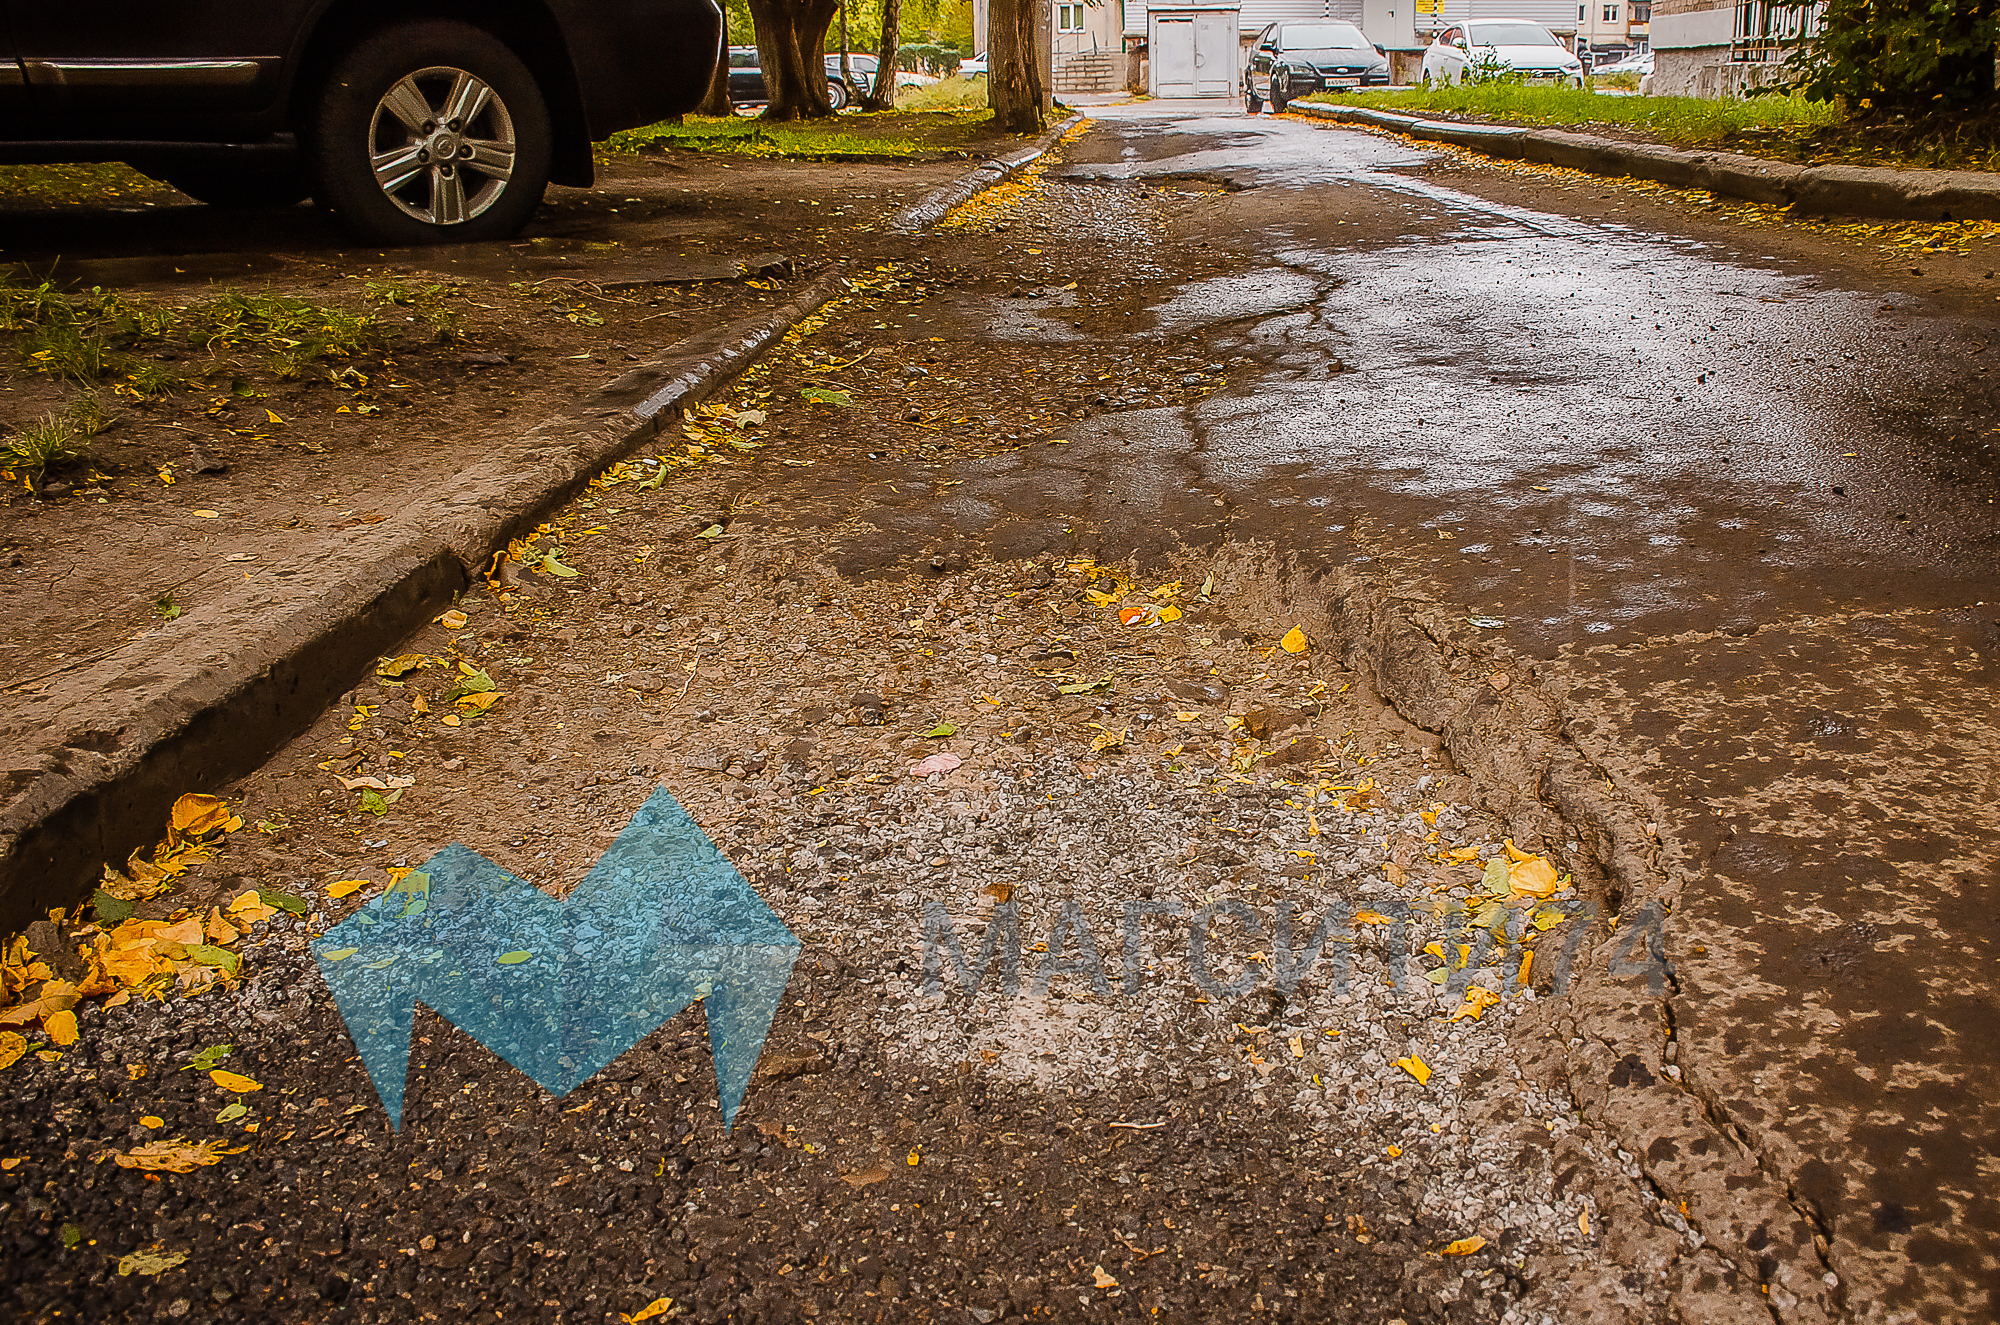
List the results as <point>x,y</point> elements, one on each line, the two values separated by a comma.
<point>202,88</point>
<point>1291,60</point>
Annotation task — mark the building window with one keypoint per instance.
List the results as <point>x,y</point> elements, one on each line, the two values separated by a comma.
<point>1069,18</point>
<point>1582,13</point>
<point>1611,13</point>
<point>1642,13</point>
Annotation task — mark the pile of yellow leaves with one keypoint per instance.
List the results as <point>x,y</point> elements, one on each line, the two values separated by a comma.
<point>195,825</point>
<point>123,955</point>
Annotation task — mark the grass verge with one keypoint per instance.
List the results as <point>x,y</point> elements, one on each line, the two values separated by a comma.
<point>1688,121</point>
<point>897,134</point>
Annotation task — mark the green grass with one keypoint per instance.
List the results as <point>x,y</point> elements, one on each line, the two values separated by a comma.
<point>80,185</point>
<point>890,134</point>
<point>1687,120</point>
<point>51,441</point>
<point>952,93</point>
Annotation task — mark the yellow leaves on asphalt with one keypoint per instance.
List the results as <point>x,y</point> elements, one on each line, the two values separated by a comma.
<point>1365,916</point>
<point>250,908</point>
<point>13,1045</point>
<point>206,515</point>
<point>394,669</point>
<point>150,1261</point>
<point>234,1082</point>
<point>916,1157</point>
<point>1478,998</point>
<point>1099,1279</point>
<point>478,702</point>
<point>1465,1246</point>
<point>178,1155</point>
<point>152,1121</point>
<point>1529,875</point>
<point>514,958</point>
<point>61,1027</point>
<point>1295,641</point>
<point>453,619</point>
<point>346,886</point>
<point>1417,1068</point>
<point>653,1310</point>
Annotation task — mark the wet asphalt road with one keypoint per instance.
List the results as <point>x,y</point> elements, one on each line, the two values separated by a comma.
<point>1753,466</point>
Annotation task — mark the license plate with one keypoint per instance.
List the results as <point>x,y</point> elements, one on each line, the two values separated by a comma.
<point>1342,84</point>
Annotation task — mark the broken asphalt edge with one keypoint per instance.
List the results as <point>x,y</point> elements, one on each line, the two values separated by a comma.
<point>1517,747</point>
<point>930,209</point>
<point>204,701</point>
<point>1874,191</point>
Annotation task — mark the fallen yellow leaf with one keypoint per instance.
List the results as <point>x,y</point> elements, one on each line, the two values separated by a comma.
<point>12,1045</point>
<point>345,886</point>
<point>659,1306</point>
<point>1465,1246</point>
<point>175,1156</point>
<point>153,1121</point>
<point>1367,917</point>
<point>1294,641</point>
<point>61,1027</point>
<point>480,702</point>
<point>453,619</point>
<point>234,1082</point>
<point>1478,998</point>
<point>1417,1068</point>
<point>206,515</point>
<point>1100,1279</point>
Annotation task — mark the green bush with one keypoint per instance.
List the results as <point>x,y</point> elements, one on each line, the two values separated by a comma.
<point>1908,56</point>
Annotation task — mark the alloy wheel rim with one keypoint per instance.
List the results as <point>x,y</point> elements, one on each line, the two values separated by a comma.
<point>441,145</point>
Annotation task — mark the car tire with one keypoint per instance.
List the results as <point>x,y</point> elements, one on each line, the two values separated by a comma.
<point>837,94</point>
<point>1281,90</point>
<point>381,136</point>
<point>241,186</point>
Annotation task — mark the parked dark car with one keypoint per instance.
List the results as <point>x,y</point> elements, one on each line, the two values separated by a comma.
<point>1292,60</point>
<point>746,78</point>
<point>413,122</point>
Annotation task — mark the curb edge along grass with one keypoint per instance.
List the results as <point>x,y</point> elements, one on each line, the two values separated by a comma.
<point>928,210</point>
<point>1875,191</point>
<point>211,704</point>
<point>220,691</point>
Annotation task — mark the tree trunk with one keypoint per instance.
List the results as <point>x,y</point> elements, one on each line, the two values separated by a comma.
<point>846,67</point>
<point>790,34</point>
<point>1017,83</point>
<point>883,95</point>
<point>717,101</point>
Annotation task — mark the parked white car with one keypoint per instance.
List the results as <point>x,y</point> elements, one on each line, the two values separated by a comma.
<point>1641,65</point>
<point>1513,45</point>
<point>970,68</point>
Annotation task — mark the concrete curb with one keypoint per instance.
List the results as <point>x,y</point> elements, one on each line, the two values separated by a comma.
<point>196,704</point>
<point>930,209</point>
<point>1875,191</point>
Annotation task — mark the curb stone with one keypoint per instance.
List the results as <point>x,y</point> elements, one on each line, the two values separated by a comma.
<point>1877,191</point>
<point>200,703</point>
<point>193,705</point>
<point>930,209</point>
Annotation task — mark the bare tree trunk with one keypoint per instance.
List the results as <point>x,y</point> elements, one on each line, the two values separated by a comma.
<point>717,101</point>
<point>790,34</point>
<point>1017,83</point>
<point>883,95</point>
<point>846,68</point>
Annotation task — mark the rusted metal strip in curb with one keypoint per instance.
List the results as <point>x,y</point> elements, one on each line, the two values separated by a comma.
<point>1874,191</point>
<point>928,210</point>
<point>199,703</point>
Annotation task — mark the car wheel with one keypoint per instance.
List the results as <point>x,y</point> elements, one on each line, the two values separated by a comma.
<point>431,132</point>
<point>1281,92</point>
<point>241,186</point>
<point>837,94</point>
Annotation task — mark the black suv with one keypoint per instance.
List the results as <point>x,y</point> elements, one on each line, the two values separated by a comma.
<point>746,78</point>
<point>413,121</point>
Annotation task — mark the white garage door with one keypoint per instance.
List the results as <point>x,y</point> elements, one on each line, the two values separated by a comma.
<point>1193,55</point>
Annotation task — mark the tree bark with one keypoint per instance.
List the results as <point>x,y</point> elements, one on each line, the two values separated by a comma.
<point>717,101</point>
<point>1017,84</point>
<point>882,96</point>
<point>790,34</point>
